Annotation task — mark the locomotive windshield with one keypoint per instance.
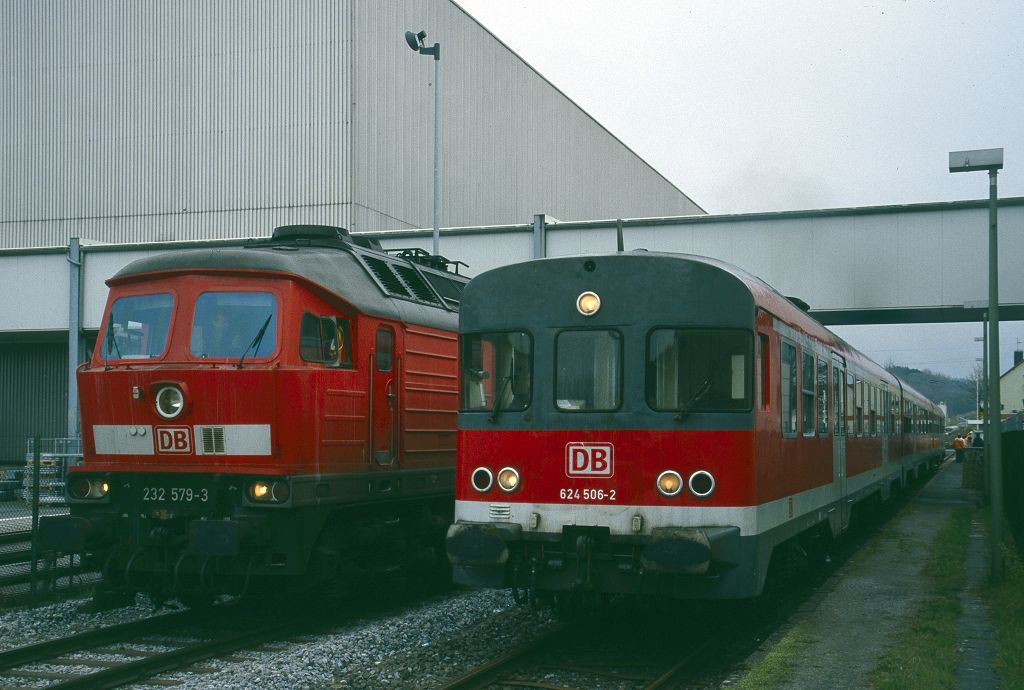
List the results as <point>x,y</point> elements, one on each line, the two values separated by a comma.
<point>497,371</point>
<point>700,370</point>
<point>230,324</point>
<point>588,366</point>
<point>137,327</point>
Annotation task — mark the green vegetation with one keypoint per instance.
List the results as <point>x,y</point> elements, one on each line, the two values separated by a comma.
<point>1006,602</point>
<point>958,394</point>
<point>777,666</point>
<point>925,651</point>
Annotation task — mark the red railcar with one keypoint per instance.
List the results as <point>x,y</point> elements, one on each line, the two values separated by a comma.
<point>257,412</point>
<point>662,424</point>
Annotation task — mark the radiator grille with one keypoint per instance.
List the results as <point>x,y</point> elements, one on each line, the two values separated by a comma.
<point>213,440</point>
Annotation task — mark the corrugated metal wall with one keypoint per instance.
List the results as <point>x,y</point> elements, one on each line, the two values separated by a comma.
<point>33,396</point>
<point>154,120</point>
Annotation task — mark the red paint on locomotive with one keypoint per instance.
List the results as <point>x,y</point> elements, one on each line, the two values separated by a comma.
<point>225,455</point>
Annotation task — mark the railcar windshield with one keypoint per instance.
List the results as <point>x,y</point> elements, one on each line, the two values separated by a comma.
<point>704,370</point>
<point>497,371</point>
<point>588,371</point>
<point>233,324</point>
<point>137,327</point>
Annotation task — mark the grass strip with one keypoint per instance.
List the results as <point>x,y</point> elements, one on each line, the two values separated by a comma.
<point>924,653</point>
<point>1006,603</point>
<point>777,665</point>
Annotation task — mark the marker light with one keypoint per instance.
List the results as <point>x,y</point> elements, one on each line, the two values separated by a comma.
<point>170,402</point>
<point>508,479</point>
<point>266,491</point>
<point>702,483</point>
<point>588,303</point>
<point>482,479</point>
<point>670,483</point>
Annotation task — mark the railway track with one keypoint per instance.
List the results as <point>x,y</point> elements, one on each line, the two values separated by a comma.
<point>577,655</point>
<point>117,655</point>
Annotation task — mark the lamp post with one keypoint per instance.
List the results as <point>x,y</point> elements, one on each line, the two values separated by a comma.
<point>992,161</point>
<point>415,42</point>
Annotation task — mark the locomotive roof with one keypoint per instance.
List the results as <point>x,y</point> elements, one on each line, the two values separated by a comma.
<point>655,271</point>
<point>372,282</point>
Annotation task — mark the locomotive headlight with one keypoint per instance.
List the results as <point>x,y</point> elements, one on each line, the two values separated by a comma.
<point>702,483</point>
<point>508,479</point>
<point>670,483</point>
<point>267,491</point>
<point>170,402</point>
<point>83,487</point>
<point>588,303</point>
<point>482,479</point>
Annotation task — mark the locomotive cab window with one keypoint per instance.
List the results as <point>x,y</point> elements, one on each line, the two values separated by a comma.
<point>588,371</point>
<point>385,348</point>
<point>325,339</point>
<point>137,327</point>
<point>496,371</point>
<point>234,324</point>
<point>700,370</point>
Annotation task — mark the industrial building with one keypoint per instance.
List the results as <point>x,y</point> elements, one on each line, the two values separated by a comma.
<point>156,122</point>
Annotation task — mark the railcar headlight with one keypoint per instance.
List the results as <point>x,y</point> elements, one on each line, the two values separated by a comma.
<point>508,479</point>
<point>170,402</point>
<point>268,491</point>
<point>670,483</point>
<point>588,303</point>
<point>482,479</point>
<point>83,487</point>
<point>702,483</point>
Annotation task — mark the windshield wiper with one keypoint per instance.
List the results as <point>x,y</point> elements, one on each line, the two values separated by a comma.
<point>497,399</point>
<point>701,391</point>
<point>111,343</point>
<point>255,344</point>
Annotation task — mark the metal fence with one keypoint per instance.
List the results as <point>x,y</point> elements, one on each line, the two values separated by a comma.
<point>27,492</point>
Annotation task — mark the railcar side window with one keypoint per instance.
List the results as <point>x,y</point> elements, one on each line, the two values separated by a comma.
<point>700,370</point>
<point>233,324</point>
<point>325,339</point>
<point>496,366</point>
<point>588,370</point>
<point>137,327</point>
<point>788,399</point>
<point>807,392</point>
<point>822,381</point>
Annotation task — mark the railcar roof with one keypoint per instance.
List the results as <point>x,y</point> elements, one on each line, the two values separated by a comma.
<point>371,282</point>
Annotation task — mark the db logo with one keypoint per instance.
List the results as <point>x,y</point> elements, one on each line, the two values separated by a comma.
<point>589,459</point>
<point>173,439</point>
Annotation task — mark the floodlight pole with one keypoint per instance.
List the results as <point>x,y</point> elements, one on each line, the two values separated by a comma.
<point>992,161</point>
<point>415,41</point>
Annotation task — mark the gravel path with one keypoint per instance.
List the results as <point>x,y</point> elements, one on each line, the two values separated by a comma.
<point>850,623</point>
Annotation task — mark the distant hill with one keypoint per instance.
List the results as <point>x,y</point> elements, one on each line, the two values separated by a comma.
<point>958,394</point>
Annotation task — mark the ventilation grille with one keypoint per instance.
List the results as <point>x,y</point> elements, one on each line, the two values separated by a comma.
<point>213,440</point>
<point>501,511</point>
<point>391,283</point>
<point>416,283</point>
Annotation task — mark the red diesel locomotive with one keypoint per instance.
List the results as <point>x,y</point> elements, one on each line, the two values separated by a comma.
<point>662,424</point>
<point>279,409</point>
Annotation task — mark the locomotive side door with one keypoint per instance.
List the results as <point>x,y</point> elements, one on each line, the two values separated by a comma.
<point>384,391</point>
<point>842,516</point>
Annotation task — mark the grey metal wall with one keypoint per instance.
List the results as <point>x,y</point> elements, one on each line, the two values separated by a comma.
<point>33,395</point>
<point>152,120</point>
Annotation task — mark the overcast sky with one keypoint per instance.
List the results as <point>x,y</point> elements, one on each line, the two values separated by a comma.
<point>771,106</point>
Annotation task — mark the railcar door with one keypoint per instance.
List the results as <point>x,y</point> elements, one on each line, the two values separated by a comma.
<point>384,391</point>
<point>841,516</point>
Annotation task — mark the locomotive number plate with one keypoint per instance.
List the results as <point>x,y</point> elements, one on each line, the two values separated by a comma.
<point>593,495</point>
<point>175,494</point>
